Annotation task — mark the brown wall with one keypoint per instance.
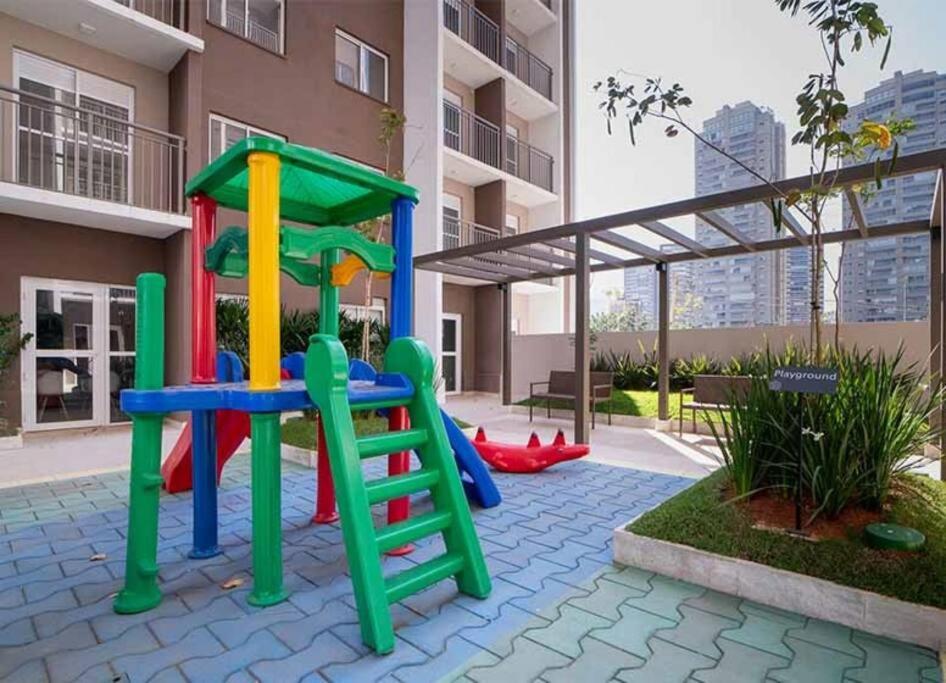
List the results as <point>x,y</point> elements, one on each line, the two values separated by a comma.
<point>35,248</point>
<point>490,204</point>
<point>488,301</point>
<point>461,300</point>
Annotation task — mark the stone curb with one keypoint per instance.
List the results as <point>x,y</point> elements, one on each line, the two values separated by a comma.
<point>806,595</point>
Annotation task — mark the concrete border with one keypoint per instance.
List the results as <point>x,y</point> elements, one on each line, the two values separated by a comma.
<point>806,595</point>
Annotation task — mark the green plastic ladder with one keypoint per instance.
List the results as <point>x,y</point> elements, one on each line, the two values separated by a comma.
<point>326,378</point>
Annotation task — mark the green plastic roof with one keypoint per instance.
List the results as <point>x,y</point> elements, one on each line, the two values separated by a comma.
<point>315,187</point>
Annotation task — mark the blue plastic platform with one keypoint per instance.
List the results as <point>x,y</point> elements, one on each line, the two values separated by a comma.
<point>292,395</point>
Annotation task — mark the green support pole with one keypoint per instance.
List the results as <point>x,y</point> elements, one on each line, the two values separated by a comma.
<point>267,512</point>
<point>328,294</point>
<point>141,564</point>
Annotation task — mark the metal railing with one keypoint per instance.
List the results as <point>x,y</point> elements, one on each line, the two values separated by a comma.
<point>245,26</point>
<point>485,35</point>
<point>528,68</point>
<point>526,162</point>
<point>474,27</point>
<point>470,134</point>
<point>170,12</point>
<point>461,233</point>
<point>50,145</point>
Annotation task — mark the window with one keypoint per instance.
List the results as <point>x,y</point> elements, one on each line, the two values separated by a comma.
<point>360,66</point>
<point>81,145</point>
<point>259,21</point>
<point>512,149</point>
<point>452,212</point>
<point>512,224</point>
<point>377,311</point>
<point>224,133</point>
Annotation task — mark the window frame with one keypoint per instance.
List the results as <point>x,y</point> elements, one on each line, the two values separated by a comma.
<point>221,23</point>
<point>251,130</point>
<point>361,71</point>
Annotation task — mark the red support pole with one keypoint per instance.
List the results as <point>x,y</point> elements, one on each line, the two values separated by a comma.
<point>325,512</point>
<point>399,463</point>
<point>203,292</point>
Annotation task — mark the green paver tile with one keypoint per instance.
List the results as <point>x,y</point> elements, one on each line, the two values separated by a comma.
<point>889,660</point>
<point>605,597</point>
<point>598,661</point>
<point>813,664</point>
<point>632,630</point>
<point>762,633</point>
<point>772,614</point>
<point>527,661</point>
<point>667,664</point>
<point>933,674</point>
<point>631,576</point>
<point>563,634</point>
<point>697,631</point>
<point>665,597</point>
<point>739,664</point>
<point>827,634</point>
<point>720,604</point>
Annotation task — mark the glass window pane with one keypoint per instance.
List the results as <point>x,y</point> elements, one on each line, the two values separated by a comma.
<point>235,16</point>
<point>121,315</point>
<point>377,66</point>
<point>121,376</point>
<point>215,148</point>
<point>264,25</point>
<point>346,61</point>
<point>233,134</point>
<point>63,389</point>
<point>64,320</point>
<point>449,342</point>
<point>450,373</point>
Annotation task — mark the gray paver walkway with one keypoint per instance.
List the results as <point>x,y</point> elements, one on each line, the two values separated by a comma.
<point>559,611</point>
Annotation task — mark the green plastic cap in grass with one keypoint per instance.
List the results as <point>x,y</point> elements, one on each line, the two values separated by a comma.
<point>315,187</point>
<point>884,536</point>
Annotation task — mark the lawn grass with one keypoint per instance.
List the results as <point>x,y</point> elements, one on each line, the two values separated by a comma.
<point>697,518</point>
<point>301,432</point>
<point>639,403</point>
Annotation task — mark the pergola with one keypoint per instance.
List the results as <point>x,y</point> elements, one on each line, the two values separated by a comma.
<point>569,250</point>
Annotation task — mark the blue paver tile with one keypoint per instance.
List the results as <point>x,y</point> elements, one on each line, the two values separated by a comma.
<point>17,633</point>
<point>431,634</point>
<point>141,667</point>
<point>456,653</point>
<point>172,629</point>
<point>260,646</point>
<point>76,637</point>
<point>372,668</point>
<point>297,635</point>
<point>65,666</point>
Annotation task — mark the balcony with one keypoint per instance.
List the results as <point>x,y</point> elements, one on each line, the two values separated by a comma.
<point>530,16</point>
<point>476,153</point>
<point>260,24</point>
<point>84,167</point>
<point>476,51</point>
<point>149,32</point>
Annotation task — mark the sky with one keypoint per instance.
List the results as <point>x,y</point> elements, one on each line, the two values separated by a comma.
<point>722,52</point>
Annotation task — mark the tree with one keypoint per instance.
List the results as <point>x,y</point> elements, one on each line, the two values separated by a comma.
<point>623,319</point>
<point>842,26</point>
<point>12,341</point>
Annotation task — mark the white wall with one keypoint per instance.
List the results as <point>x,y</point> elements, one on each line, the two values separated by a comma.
<point>534,355</point>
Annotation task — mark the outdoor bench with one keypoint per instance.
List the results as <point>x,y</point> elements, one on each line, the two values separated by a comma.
<point>712,392</point>
<point>561,386</point>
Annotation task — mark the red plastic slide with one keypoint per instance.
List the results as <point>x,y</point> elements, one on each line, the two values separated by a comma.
<point>232,427</point>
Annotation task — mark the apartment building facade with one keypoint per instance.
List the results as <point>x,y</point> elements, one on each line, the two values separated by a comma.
<point>888,279</point>
<point>745,290</point>
<point>487,101</point>
<point>106,108</point>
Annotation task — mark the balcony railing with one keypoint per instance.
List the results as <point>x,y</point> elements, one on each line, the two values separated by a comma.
<point>170,12</point>
<point>460,233</point>
<point>526,162</point>
<point>244,24</point>
<point>50,145</point>
<point>528,68</point>
<point>485,35</point>
<point>470,134</point>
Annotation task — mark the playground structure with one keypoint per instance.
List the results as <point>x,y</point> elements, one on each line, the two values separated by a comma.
<point>533,457</point>
<point>273,181</point>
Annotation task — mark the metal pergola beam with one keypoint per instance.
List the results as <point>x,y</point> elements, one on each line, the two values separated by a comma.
<point>626,243</point>
<point>857,211</point>
<point>459,271</point>
<point>543,255</point>
<point>569,246</point>
<point>720,222</point>
<point>665,231</point>
<point>504,271</point>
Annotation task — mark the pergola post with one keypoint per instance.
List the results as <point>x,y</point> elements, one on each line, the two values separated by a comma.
<point>582,339</point>
<point>507,343</point>
<point>663,341</point>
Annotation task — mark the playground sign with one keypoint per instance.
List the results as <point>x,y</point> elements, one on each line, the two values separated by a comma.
<point>804,380</point>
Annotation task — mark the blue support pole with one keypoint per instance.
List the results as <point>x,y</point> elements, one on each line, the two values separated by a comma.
<point>204,463</point>
<point>402,280</point>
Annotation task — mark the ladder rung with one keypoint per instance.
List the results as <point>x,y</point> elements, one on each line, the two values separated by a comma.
<point>410,530</point>
<point>418,578</point>
<point>399,485</point>
<point>391,442</point>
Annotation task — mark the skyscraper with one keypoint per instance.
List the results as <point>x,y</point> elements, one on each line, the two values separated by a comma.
<point>640,293</point>
<point>748,289</point>
<point>888,279</point>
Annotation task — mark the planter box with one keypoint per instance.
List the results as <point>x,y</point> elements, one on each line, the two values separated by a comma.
<point>601,419</point>
<point>10,443</point>
<point>300,456</point>
<point>806,595</point>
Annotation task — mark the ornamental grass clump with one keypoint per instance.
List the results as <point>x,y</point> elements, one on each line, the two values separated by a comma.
<point>855,443</point>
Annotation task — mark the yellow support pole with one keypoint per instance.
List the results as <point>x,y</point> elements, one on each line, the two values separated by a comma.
<point>264,270</point>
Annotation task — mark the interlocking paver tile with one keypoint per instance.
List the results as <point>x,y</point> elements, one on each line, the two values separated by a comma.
<point>827,634</point>
<point>764,628</point>
<point>76,637</point>
<point>668,663</point>
<point>66,665</point>
<point>372,668</point>
<point>431,634</point>
<point>665,596</point>
<point>720,604</point>
<point>171,629</point>
<point>298,634</point>
<point>598,661</point>
<point>889,660</point>
<point>697,631</point>
<point>813,664</point>
<point>565,632</point>
<point>17,633</point>
<point>61,601</point>
<point>740,664</point>
<point>527,660</point>
<point>632,631</point>
<point>503,592</point>
<point>141,667</point>
<point>605,597</point>
<point>457,651</point>
<point>497,635</point>
<point>547,598</point>
<point>259,646</point>
<point>234,632</point>
<point>323,649</point>
<point>32,672</point>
